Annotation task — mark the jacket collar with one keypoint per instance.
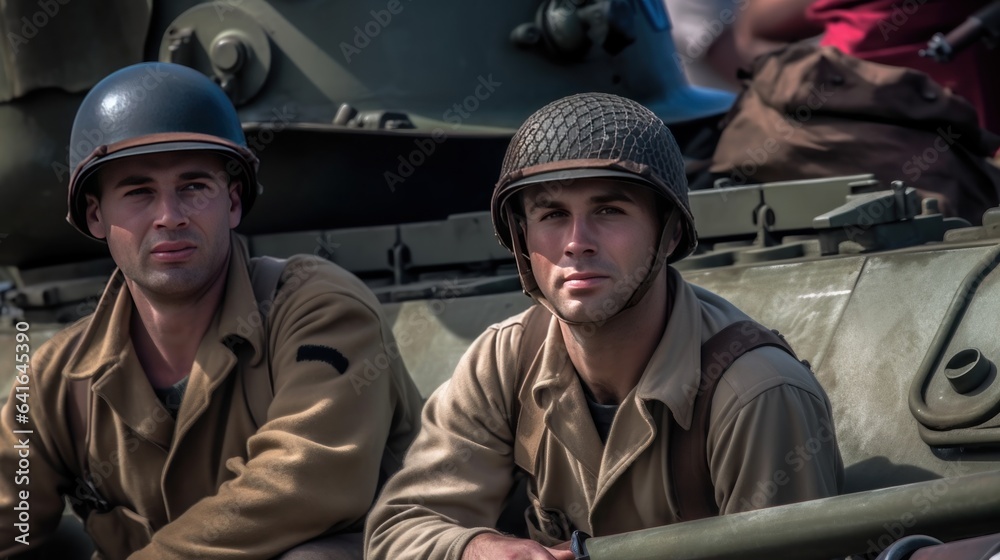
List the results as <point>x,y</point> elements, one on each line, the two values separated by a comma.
<point>106,341</point>
<point>558,395</point>
<point>672,375</point>
<point>674,370</point>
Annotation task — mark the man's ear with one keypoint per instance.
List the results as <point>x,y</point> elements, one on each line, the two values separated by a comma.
<point>95,221</point>
<point>235,203</point>
<point>675,238</point>
<point>522,225</point>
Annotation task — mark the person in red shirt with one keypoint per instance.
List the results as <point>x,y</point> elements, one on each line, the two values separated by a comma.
<point>884,31</point>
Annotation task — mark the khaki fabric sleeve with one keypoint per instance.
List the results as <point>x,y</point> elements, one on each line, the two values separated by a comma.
<point>313,467</point>
<point>459,471</point>
<point>773,441</point>
<point>38,463</point>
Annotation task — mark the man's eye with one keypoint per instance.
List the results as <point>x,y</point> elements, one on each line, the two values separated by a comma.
<point>554,214</point>
<point>195,187</point>
<point>610,210</point>
<point>137,192</point>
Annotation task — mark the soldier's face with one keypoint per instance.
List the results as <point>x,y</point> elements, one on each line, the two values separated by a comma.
<point>166,218</point>
<point>590,244</point>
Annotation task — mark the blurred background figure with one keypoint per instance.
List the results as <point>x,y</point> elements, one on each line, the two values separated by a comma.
<point>884,31</point>
<point>703,34</point>
<point>864,100</point>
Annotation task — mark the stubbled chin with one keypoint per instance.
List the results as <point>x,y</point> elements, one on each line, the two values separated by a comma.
<point>577,311</point>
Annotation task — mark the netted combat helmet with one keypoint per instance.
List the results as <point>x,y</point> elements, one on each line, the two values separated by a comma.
<point>586,136</point>
<point>149,108</point>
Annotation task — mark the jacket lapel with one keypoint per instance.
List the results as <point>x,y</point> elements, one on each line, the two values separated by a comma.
<point>106,356</point>
<point>237,318</point>
<point>671,377</point>
<point>559,401</point>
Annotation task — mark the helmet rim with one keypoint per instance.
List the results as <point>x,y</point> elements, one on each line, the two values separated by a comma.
<point>607,169</point>
<point>87,170</point>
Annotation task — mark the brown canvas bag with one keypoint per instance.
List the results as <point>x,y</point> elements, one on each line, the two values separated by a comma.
<point>809,112</point>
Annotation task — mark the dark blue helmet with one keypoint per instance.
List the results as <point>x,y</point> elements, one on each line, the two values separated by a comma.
<point>155,107</point>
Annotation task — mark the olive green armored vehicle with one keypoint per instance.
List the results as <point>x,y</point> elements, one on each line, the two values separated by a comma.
<point>381,126</point>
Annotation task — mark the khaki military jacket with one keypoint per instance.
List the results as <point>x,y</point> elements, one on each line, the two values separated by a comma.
<point>771,440</point>
<point>210,484</point>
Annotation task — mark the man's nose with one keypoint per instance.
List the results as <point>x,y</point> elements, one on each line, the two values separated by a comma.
<point>172,212</point>
<point>582,238</point>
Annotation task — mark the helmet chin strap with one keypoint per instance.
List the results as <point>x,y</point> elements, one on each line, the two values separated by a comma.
<point>530,286</point>
<point>662,253</point>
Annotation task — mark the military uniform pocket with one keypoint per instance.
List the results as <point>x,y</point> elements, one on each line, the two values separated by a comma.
<point>119,532</point>
<point>548,526</point>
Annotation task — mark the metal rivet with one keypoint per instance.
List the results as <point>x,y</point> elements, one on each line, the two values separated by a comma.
<point>228,53</point>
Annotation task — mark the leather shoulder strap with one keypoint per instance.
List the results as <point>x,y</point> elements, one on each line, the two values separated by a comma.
<point>527,428</point>
<point>258,383</point>
<point>689,469</point>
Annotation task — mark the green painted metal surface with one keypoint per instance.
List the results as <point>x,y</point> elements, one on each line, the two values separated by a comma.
<point>395,187</point>
<point>821,529</point>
